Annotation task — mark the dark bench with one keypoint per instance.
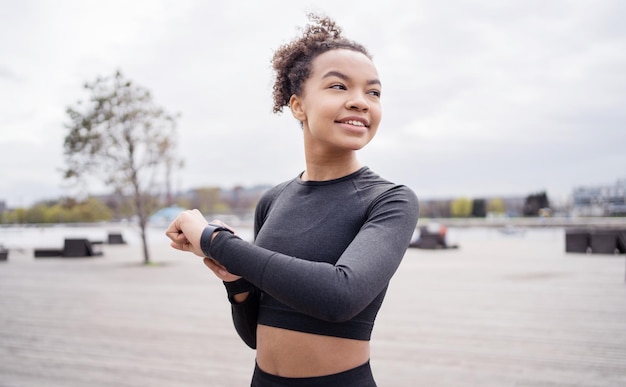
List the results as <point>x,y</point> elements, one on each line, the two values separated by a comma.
<point>577,241</point>
<point>116,239</point>
<point>596,241</point>
<point>432,239</point>
<point>72,247</point>
<point>80,248</point>
<point>47,253</point>
<point>429,241</point>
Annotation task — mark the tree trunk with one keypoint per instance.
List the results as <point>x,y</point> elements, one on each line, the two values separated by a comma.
<point>144,242</point>
<point>140,206</point>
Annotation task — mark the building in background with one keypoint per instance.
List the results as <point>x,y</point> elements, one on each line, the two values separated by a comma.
<point>605,200</point>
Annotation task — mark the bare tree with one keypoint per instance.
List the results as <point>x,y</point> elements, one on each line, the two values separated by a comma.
<point>121,137</point>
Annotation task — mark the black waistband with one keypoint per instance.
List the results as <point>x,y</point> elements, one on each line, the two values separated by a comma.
<point>360,376</point>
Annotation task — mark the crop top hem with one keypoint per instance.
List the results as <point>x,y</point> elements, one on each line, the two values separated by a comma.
<point>294,321</point>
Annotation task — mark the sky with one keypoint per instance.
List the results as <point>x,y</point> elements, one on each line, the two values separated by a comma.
<point>480,98</point>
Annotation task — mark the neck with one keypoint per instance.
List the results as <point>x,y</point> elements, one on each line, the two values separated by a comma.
<point>330,167</point>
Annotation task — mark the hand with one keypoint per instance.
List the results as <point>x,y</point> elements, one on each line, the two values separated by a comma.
<point>220,271</point>
<point>186,230</point>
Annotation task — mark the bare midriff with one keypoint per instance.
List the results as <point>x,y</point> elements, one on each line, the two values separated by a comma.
<point>293,354</point>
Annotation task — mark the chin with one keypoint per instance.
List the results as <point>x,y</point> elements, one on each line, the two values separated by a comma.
<point>358,145</point>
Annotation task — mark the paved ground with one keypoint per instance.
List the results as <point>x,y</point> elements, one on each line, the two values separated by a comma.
<point>496,312</point>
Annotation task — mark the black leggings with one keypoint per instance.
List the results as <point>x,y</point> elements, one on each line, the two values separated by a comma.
<point>360,376</point>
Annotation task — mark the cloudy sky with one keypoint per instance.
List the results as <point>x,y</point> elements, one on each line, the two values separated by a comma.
<point>480,98</point>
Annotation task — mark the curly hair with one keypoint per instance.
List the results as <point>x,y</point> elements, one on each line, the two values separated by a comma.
<point>292,61</point>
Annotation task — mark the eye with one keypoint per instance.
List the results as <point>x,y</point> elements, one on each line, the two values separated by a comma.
<point>337,86</point>
<point>375,93</point>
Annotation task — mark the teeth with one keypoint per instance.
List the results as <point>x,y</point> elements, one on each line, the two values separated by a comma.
<point>355,123</point>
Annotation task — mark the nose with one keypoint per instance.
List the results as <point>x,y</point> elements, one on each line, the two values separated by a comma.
<point>357,102</point>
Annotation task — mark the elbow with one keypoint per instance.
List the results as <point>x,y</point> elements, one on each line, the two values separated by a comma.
<point>250,343</point>
<point>341,309</point>
<point>342,301</point>
<point>247,336</point>
<point>339,316</point>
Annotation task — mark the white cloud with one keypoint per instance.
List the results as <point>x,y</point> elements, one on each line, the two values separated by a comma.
<point>479,97</point>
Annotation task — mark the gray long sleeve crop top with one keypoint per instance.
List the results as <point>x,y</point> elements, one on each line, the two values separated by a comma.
<point>323,255</point>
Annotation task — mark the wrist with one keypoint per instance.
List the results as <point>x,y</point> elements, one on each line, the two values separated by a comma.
<point>208,234</point>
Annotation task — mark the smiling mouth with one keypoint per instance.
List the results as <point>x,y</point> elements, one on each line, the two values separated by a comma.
<point>354,123</point>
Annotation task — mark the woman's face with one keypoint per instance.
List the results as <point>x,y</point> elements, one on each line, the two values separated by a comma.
<point>340,105</point>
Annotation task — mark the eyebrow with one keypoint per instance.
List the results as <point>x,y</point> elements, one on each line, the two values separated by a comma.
<point>343,76</point>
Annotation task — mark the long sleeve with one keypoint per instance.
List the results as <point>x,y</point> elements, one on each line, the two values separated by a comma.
<point>245,315</point>
<point>330,291</point>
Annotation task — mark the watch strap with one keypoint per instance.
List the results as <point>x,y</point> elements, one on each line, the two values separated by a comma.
<point>207,233</point>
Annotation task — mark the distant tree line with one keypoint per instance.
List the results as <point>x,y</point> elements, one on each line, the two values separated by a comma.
<point>115,207</point>
<point>62,211</point>
<point>241,201</point>
<point>536,204</point>
<point>463,207</point>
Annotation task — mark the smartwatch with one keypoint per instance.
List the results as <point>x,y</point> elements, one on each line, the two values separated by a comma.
<point>207,233</point>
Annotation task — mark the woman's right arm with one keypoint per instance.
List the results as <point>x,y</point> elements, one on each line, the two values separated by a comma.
<point>244,300</point>
<point>245,314</point>
<point>243,296</point>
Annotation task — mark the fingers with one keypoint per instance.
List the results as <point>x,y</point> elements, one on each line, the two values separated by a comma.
<point>187,228</point>
<point>219,270</point>
<point>177,240</point>
<point>211,264</point>
<point>220,223</point>
<point>174,228</point>
<point>215,267</point>
<point>177,246</point>
<point>173,232</point>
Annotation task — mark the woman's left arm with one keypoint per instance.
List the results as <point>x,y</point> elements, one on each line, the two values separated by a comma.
<point>331,292</point>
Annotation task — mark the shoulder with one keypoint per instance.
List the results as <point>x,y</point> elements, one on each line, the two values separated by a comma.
<point>397,196</point>
<point>387,200</point>
<point>269,196</point>
<point>377,187</point>
<point>266,201</point>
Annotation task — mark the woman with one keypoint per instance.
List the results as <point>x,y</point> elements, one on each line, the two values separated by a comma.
<point>306,293</point>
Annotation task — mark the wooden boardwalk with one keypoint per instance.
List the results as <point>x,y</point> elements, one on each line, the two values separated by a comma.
<point>496,312</point>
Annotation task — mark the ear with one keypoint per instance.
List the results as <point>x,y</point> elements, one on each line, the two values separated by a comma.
<point>297,110</point>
